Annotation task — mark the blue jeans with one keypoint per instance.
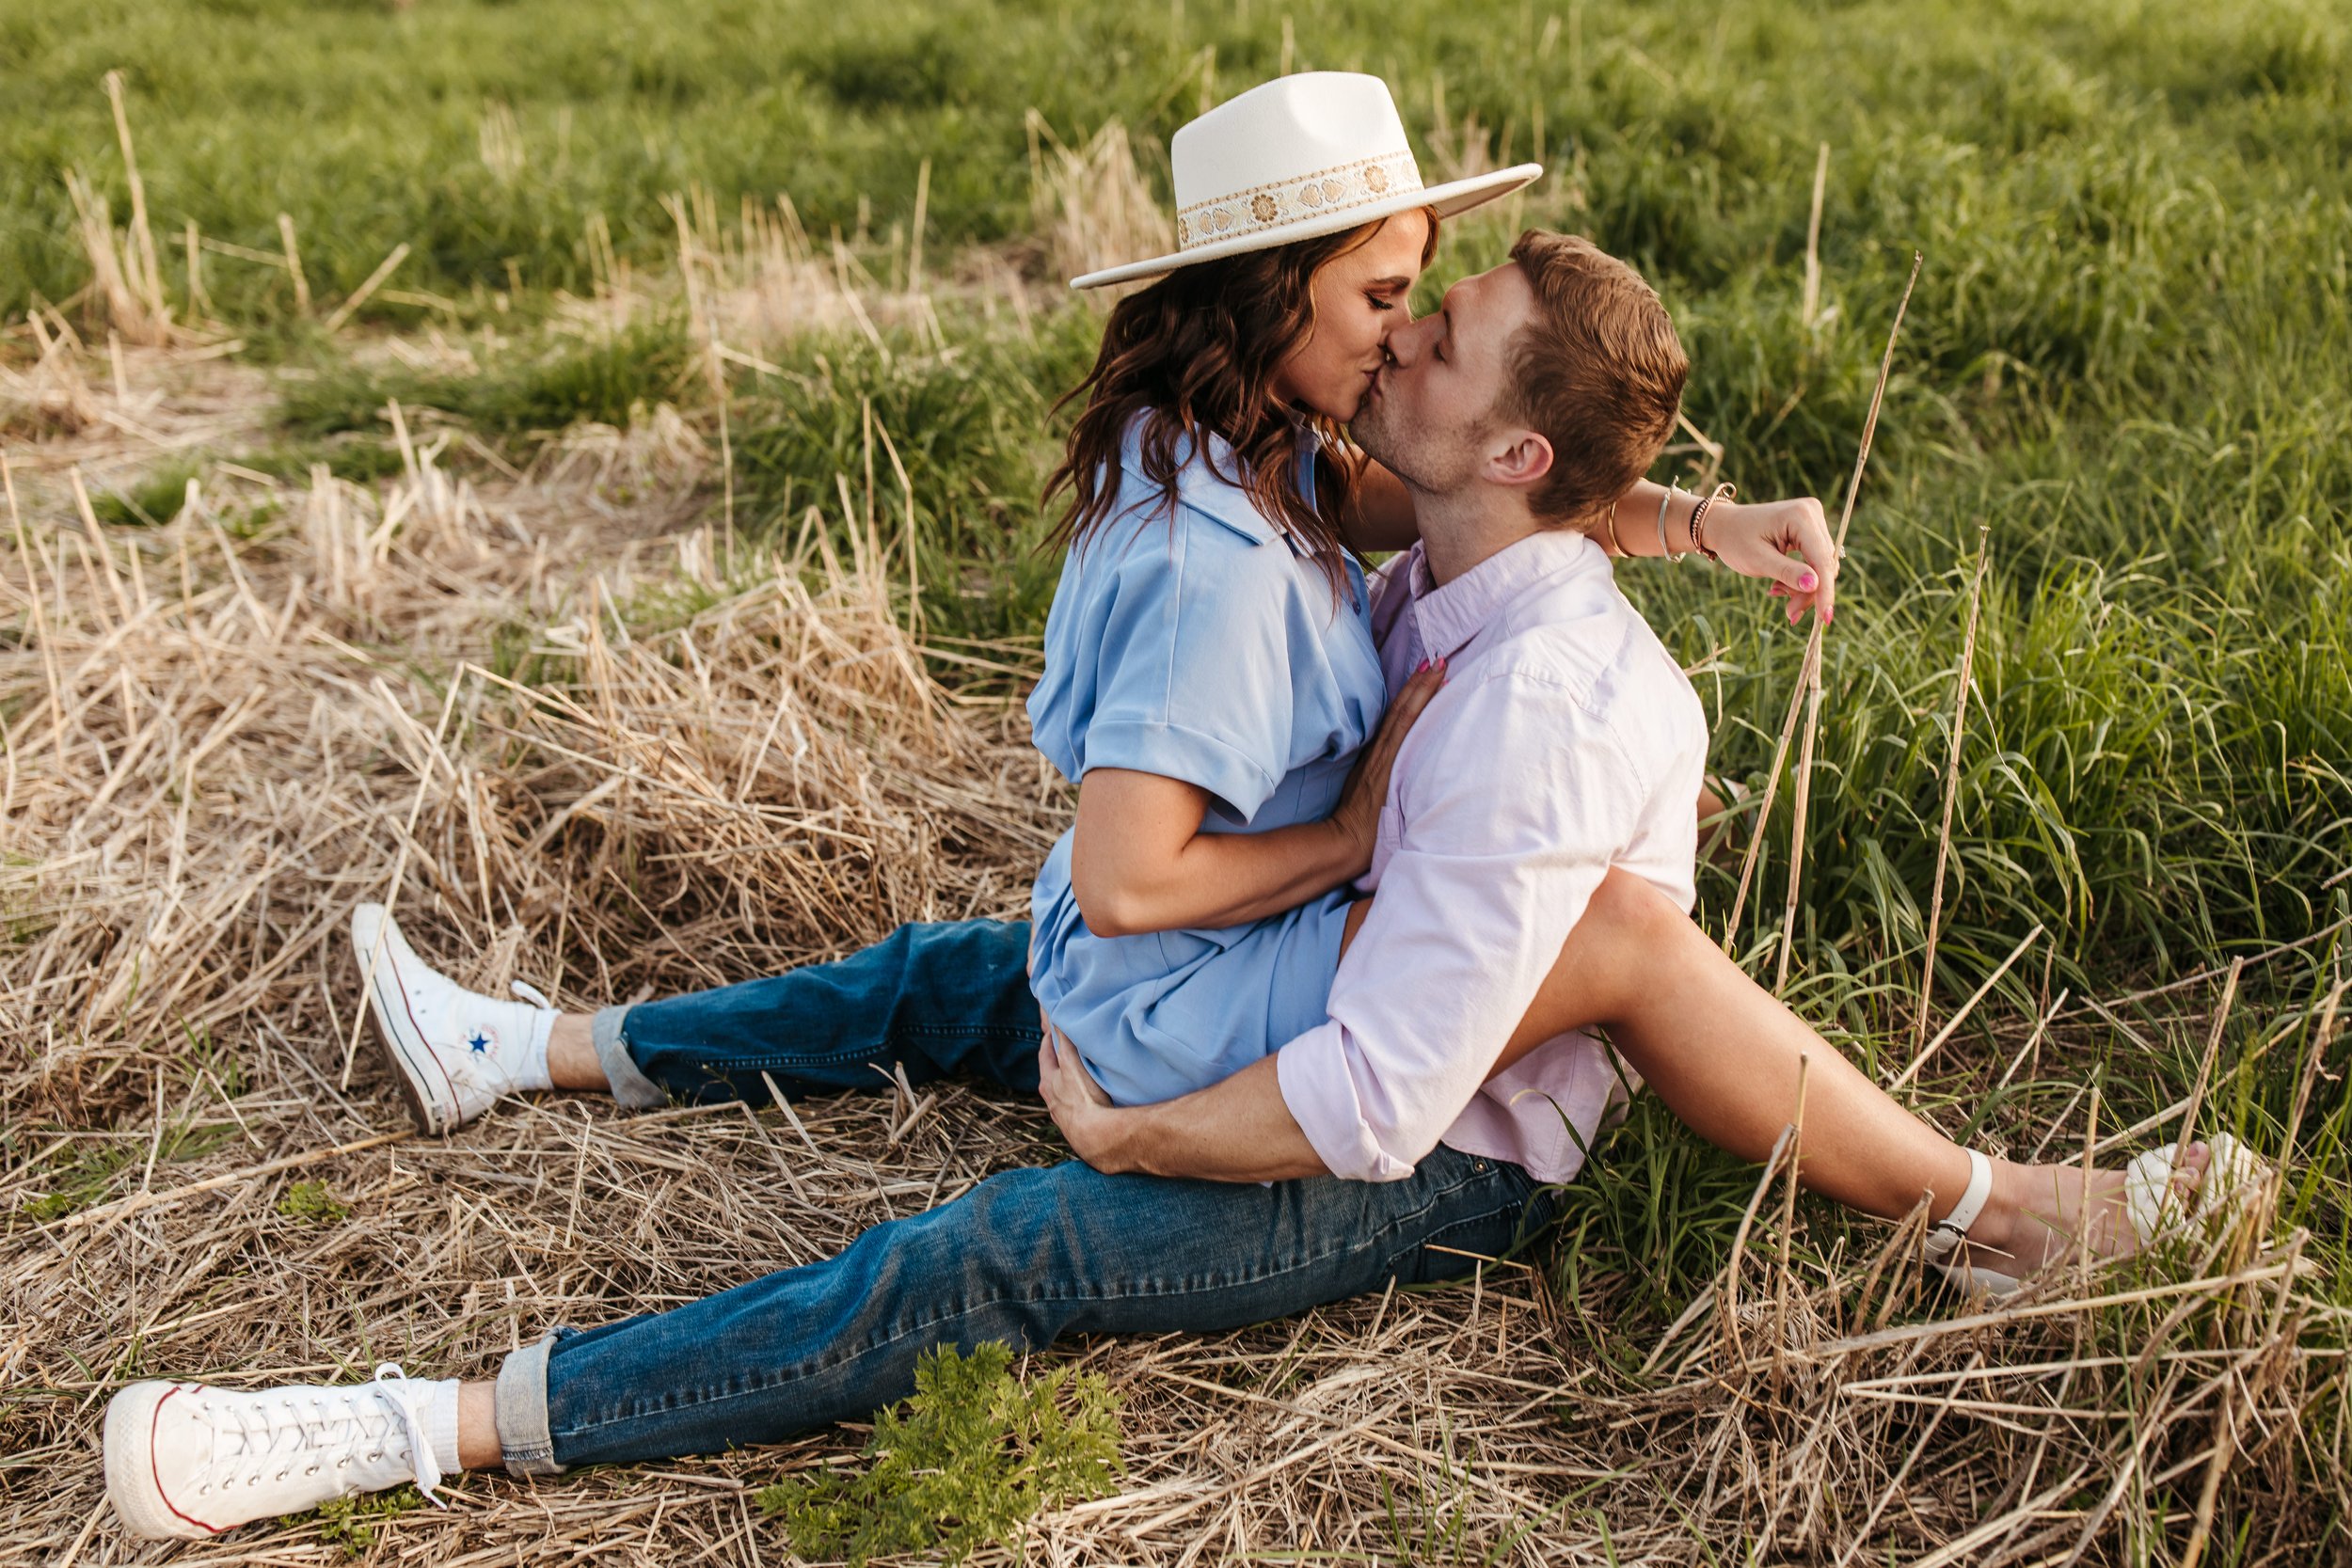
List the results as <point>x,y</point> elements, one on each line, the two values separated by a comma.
<point>1023,1258</point>
<point>936,999</point>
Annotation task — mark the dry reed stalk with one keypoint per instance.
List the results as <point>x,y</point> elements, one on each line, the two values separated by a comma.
<point>293,264</point>
<point>2204,1067</point>
<point>113,273</point>
<point>1809,309</point>
<point>1091,204</point>
<point>1796,832</point>
<point>1951,783</point>
<point>147,276</point>
<point>1809,677</point>
<point>126,279</point>
<point>1772,789</point>
<point>1967,1008</point>
<point>362,294</point>
<point>754,286</point>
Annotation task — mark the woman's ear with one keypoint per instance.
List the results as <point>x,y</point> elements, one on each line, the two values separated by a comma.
<point>1524,460</point>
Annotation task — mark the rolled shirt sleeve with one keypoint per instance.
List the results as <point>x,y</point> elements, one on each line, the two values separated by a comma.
<point>1512,802</point>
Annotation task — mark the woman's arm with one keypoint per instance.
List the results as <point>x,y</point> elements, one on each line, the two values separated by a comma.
<point>1754,540</point>
<point>1140,863</point>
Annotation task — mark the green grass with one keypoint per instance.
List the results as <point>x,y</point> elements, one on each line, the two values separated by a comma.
<point>311,1203</point>
<point>2124,362</point>
<point>154,498</point>
<point>351,1523</point>
<point>539,389</point>
<point>963,1462</point>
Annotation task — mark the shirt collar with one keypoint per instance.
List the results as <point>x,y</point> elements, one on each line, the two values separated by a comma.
<point>1199,487</point>
<point>1449,617</point>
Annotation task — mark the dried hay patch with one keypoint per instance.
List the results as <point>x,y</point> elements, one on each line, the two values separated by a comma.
<point>583,757</point>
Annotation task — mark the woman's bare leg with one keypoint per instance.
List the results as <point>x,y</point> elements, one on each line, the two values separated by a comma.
<point>1724,1056</point>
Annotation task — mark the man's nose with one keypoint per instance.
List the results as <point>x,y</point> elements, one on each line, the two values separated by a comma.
<point>1402,346</point>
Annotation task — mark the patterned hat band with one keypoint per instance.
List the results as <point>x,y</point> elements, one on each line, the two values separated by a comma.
<point>1297,199</point>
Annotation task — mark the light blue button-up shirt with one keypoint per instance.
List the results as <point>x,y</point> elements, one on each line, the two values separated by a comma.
<point>1200,642</point>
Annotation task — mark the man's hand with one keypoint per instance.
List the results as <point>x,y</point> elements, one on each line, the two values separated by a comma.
<point>1080,1108</point>
<point>1236,1130</point>
<point>1356,818</point>
<point>1755,540</point>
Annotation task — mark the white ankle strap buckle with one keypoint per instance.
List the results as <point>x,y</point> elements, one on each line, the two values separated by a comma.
<point>1952,1229</point>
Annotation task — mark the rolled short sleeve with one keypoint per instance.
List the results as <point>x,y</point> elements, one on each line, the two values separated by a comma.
<point>1191,671</point>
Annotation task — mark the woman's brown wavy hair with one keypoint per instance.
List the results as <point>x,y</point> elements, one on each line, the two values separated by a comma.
<point>1197,352</point>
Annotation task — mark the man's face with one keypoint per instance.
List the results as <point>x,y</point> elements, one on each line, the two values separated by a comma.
<point>1430,414</point>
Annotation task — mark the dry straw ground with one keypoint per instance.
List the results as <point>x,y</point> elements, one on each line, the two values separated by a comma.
<point>531,710</point>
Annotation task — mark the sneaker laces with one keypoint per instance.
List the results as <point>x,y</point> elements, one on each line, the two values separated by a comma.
<point>405,1396</point>
<point>315,1424</point>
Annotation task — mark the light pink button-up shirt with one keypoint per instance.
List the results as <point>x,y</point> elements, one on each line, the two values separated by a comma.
<point>1566,740</point>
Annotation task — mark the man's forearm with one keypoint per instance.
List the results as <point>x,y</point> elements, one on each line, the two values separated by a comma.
<point>1236,1130</point>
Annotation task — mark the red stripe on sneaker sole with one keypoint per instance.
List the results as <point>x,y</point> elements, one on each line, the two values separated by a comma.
<point>154,1419</point>
<point>458,1107</point>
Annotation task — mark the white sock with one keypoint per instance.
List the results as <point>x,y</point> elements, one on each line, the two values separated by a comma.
<point>529,1070</point>
<point>441,1422</point>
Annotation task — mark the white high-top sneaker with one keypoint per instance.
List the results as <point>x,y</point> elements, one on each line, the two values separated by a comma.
<point>189,1461</point>
<point>452,1050</point>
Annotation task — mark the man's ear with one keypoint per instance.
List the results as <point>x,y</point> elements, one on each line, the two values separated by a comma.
<point>1520,458</point>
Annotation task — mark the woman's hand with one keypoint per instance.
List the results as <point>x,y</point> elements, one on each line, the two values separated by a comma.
<point>1357,817</point>
<point>1755,540</point>
<point>1080,1108</point>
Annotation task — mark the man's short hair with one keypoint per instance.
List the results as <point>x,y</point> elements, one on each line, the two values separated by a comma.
<point>1597,372</point>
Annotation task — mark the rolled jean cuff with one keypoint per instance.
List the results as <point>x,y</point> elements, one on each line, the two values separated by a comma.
<point>630,1088</point>
<point>522,1411</point>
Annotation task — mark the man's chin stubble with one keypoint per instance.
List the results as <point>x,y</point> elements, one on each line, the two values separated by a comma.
<point>1369,431</point>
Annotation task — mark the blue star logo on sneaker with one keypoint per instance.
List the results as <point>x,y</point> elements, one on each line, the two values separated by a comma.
<point>452,1052</point>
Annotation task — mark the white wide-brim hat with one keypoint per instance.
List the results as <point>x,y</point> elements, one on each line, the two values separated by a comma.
<point>1294,158</point>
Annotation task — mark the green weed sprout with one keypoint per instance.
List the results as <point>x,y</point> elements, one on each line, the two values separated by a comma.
<point>969,1458</point>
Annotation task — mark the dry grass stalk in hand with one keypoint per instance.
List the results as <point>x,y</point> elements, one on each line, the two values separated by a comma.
<point>1951,784</point>
<point>1810,672</point>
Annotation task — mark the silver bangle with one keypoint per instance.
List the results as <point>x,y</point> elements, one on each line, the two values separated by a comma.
<point>1665,549</point>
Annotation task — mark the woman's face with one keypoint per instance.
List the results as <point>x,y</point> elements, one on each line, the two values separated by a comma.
<point>1358,298</point>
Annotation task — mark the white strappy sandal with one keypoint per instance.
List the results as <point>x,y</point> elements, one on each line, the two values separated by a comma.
<point>2233,1174</point>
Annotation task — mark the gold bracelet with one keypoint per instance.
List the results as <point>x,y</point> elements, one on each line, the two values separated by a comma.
<point>1616,544</point>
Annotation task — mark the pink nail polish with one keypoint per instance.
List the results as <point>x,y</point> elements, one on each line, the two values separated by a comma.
<point>1808,582</point>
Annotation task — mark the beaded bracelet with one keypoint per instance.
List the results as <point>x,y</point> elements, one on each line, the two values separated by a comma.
<point>1724,492</point>
<point>1665,549</point>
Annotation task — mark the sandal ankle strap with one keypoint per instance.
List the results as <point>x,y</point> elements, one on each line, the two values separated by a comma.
<point>1952,1229</point>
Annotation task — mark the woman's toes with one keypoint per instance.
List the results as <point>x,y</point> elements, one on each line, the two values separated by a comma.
<point>2188,1173</point>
